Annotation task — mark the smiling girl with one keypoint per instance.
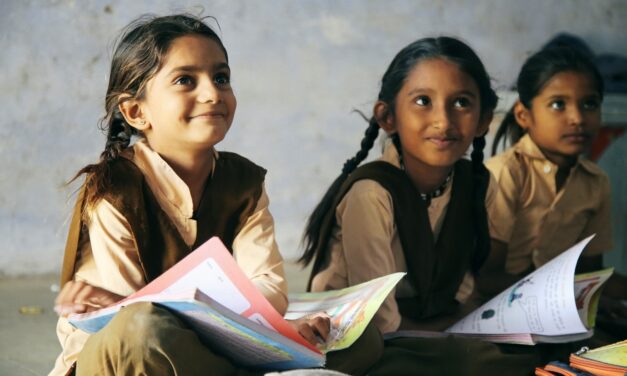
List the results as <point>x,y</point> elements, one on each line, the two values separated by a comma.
<point>420,208</point>
<point>145,205</point>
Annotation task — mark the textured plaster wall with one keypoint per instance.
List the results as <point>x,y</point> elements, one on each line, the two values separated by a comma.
<point>299,69</point>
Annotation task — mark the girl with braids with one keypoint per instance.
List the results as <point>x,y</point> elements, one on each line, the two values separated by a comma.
<point>549,195</point>
<point>420,209</point>
<point>146,205</point>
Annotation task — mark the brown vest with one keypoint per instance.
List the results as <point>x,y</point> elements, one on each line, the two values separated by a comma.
<point>229,198</point>
<point>435,269</point>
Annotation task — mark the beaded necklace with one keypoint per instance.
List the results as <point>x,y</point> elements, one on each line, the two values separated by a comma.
<point>426,197</point>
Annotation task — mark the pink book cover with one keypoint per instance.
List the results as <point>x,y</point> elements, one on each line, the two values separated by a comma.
<point>212,269</point>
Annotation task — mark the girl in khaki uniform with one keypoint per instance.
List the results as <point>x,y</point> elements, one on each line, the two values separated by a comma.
<point>145,206</point>
<point>549,195</point>
<point>420,209</point>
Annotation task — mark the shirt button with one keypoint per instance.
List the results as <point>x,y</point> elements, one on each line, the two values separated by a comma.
<point>547,168</point>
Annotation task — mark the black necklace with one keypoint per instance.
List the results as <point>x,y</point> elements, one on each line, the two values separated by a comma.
<point>439,191</point>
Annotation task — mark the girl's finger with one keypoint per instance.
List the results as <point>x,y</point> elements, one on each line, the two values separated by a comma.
<point>308,334</point>
<point>321,326</point>
<point>84,295</point>
<point>69,292</point>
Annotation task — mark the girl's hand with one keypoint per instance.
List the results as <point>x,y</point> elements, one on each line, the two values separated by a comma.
<point>315,329</point>
<point>81,297</point>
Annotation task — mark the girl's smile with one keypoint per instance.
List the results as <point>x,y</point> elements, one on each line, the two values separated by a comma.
<point>442,142</point>
<point>210,115</point>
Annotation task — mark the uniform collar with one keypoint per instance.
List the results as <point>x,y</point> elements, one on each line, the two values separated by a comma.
<point>527,147</point>
<point>162,178</point>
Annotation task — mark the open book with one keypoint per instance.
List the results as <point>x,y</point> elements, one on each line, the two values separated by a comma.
<point>549,305</point>
<point>212,294</point>
<point>350,309</point>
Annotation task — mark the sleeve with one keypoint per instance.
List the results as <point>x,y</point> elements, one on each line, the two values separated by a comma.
<point>109,261</point>
<point>257,253</point>
<point>502,199</point>
<point>367,229</point>
<point>600,223</point>
<point>116,264</point>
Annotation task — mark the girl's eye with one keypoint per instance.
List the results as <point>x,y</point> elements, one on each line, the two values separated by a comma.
<point>423,101</point>
<point>558,105</point>
<point>462,102</point>
<point>184,80</point>
<point>222,79</point>
<point>591,105</point>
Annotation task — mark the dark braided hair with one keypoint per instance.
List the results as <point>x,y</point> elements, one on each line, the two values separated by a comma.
<point>535,73</point>
<point>393,80</point>
<point>138,56</point>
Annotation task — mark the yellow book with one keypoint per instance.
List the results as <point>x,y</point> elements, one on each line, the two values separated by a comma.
<point>610,360</point>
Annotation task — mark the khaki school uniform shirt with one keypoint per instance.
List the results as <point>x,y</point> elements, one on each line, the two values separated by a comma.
<point>535,221</point>
<point>365,243</point>
<point>110,259</point>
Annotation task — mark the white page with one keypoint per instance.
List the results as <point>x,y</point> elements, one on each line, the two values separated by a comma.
<point>541,303</point>
<point>209,278</point>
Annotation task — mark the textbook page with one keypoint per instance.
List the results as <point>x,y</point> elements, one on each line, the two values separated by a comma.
<point>212,270</point>
<point>350,309</point>
<point>541,303</point>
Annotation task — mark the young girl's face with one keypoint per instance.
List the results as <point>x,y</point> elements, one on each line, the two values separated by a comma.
<point>189,102</point>
<point>564,117</point>
<point>437,113</point>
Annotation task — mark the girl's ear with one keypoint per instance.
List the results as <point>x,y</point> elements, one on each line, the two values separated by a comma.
<point>384,117</point>
<point>484,123</point>
<point>522,115</point>
<point>132,112</point>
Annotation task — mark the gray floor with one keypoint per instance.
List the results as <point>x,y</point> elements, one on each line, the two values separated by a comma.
<point>28,343</point>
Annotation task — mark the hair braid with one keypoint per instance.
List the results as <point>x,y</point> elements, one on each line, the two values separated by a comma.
<point>481,181</point>
<point>366,144</point>
<point>118,137</point>
<point>311,239</point>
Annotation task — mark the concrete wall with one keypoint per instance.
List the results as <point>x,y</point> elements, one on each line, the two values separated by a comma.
<point>299,68</point>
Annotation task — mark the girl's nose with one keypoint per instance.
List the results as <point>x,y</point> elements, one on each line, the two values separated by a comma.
<point>441,117</point>
<point>208,93</point>
<point>575,116</point>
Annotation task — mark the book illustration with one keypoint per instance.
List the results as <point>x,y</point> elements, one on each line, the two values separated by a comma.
<point>515,294</point>
<point>587,294</point>
<point>350,309</point>
<point>541,303</point>
<point>487,314</point>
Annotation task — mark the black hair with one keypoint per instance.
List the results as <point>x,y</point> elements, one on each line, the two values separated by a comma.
<point>138,55</point>
<point>535,73</point>
<point>394,78</point>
